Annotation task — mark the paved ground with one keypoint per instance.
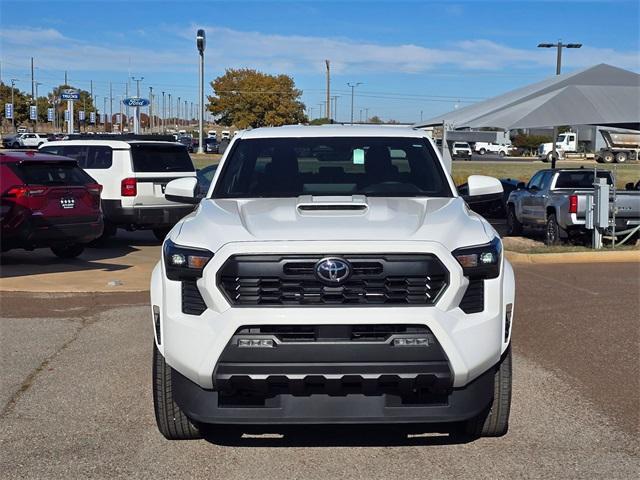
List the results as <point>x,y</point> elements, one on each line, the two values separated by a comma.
<point>75,399</point>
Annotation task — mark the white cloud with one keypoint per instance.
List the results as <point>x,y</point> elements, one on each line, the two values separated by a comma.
<point>294,54</point>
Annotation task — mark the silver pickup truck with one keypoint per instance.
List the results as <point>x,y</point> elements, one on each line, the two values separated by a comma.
<point>556,201</point>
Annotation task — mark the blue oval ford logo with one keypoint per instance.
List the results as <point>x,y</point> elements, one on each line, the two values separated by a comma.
<point>135,102</point>
<point>333,270</point>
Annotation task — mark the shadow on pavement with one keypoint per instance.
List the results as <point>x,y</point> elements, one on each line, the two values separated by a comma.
<point>331,436</point>
<point>109,256</point>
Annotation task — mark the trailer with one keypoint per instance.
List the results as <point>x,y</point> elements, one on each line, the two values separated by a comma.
<point>620,146</point>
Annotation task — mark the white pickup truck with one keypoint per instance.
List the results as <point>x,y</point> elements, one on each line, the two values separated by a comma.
<point>497,149</point>
<point>332,275</point>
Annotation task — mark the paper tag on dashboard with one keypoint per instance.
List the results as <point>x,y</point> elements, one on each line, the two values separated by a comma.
<point>358,156</point>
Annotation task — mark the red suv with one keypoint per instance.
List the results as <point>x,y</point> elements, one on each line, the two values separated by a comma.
<point>47,201</point>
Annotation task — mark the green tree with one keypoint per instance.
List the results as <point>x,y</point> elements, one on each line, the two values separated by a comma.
<point>375,119</point>
<point>248,98</point>
<point>20,104</point>
<point>529,142</point>
<point>319,121</point>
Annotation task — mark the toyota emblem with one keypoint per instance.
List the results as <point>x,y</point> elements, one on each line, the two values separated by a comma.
<point>333,270</point>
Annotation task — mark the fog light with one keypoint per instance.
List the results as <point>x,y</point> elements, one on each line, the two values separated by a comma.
<point>255,342</point>
<point>411,342</point>
<point>507,320</point>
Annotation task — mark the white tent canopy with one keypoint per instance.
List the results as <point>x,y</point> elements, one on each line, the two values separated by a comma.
<point>599,95</point>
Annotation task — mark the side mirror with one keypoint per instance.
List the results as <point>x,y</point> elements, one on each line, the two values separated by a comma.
<point>521,186</point>
<point>182,190</point>
<point>483,189</point>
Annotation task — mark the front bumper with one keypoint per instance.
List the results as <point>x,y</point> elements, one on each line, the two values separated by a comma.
<point>193,344</point>
<point>207,406</point>
<point>144,217</point>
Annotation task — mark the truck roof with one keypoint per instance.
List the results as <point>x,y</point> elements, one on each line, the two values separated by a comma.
<point>332,131</point>
<point>115,144</point>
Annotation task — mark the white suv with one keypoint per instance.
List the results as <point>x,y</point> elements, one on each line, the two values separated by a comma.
<point>332,274</point>
<point>29,140</point>
<point>133,174</point>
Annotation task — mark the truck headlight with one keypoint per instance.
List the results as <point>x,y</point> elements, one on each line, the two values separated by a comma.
<point>480,261</point>
<point>184,262</point>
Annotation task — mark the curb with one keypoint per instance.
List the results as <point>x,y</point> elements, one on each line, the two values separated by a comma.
<point>628,256</point>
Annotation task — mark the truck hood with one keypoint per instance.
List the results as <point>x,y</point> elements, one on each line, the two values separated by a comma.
<point>444,220</point>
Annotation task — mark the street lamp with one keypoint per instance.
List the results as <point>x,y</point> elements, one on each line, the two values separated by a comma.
<point>13,106</point>
<point>559,47</point>
<point>201,42</point>
<point>136,113</point>
<point>353,86</point>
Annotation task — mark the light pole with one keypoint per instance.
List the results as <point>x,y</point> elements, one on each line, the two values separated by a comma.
<point>201,43</point>
<point>163,112</point>
<point>13,105</point>
<point>36,103</point>
<point>136,113</point>
<point>559,47</point>
<point>178,112</point>
<point>353,87</point>
<point>170,109</point>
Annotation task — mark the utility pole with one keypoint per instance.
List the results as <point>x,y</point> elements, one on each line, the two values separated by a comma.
<point>151,108</point>
<point>178,112</point>
<point>33,85</point>
<point>65,78</point>
<point>320,105</point>
<point>97,126</point>
<point>185,113</point>
<point>36,103</point>
<point>163,113</point>
<point>111,106</point>
<point>559,47</point>
<point>170,109</point>
<point>136,119</point>
<point>334,107</point>
<point>13,105</point>
<point>105,113</point>
<point>353,86</point>
<point>366,114</point>
<point>327,63</point>
<point>201,41</point>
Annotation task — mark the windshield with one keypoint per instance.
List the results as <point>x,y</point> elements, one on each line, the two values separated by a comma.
<point>160,158</point>
<point>373,166</point>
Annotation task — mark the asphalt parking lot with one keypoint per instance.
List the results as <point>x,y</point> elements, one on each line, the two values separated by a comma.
<point>76,399</point>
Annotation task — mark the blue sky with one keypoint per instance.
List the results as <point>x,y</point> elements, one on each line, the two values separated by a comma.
<point>416,57</point>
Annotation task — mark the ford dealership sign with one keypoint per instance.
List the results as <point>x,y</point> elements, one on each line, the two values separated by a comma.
<point>135,102</point>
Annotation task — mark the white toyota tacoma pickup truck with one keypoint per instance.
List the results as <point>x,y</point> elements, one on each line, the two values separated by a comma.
<point>332,274</point>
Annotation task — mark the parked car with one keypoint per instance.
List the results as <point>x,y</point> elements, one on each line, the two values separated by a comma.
<point>187,141</point>
<point>461,151</point>
<point>210,145</point>
<point>47,201</point>
<point>21,130</point>
<point>29,140</point>
<point>9,140</point>
<point>497,149</point>
<point>332,275</point>
<point>133,174</point>
<point>556,200</point>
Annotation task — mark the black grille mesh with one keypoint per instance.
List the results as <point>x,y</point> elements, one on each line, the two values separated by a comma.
<point>375,280</point>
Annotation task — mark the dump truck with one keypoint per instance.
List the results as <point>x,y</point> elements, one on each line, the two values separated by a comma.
<point>621,146</point>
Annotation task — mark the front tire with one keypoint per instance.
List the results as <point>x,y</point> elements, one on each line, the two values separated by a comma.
<point>171,420</point>
<point>68,251</point>
<point>494,421</point>
<point>514,227</point>
<point>482,151</point>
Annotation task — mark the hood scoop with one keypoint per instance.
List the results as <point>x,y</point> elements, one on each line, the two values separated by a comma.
<point>354,204</point>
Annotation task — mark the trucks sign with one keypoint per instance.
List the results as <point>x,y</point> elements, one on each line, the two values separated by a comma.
<point>70,95</point>
<point>135,102</point>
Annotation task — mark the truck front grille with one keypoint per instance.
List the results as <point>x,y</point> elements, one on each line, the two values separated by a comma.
<point>376,280</point>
